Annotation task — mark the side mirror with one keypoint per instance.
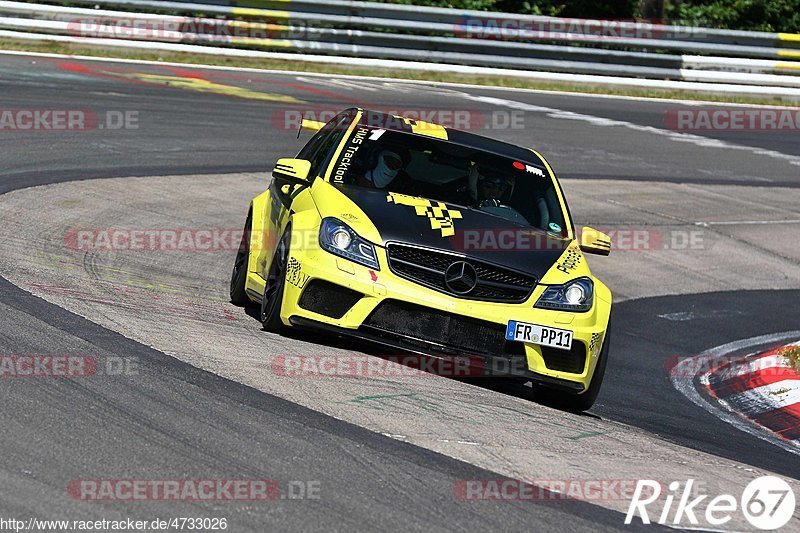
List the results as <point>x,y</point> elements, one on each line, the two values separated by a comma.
<point>595,242</point>
<point>292,170</point>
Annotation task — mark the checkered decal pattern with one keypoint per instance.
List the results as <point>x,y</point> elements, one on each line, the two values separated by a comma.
<point>292,267</point>
<point>595,343</point>
<point>440,216</point>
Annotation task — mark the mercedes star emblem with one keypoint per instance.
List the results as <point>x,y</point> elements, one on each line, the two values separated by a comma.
<point>460,277</point>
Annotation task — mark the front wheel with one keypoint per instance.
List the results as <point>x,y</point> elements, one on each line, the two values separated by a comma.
<point>577,402</point>
<point>273,289</point>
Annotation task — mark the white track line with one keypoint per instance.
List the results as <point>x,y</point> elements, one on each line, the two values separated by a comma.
<point>745,222</point>
<point>698,140</point>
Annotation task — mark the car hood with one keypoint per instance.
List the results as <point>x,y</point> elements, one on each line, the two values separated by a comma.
<point>383,218</point>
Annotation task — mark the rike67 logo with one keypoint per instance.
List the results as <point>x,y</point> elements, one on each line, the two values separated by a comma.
<point>767,503</point>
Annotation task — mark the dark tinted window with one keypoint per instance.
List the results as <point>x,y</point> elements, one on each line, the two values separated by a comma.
<point>519,191</point>
<point>318,149</point>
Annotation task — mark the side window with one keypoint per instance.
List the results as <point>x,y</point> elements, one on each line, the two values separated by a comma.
<point>321,158</point>
<point>317,149</point>
<point>311,147</point>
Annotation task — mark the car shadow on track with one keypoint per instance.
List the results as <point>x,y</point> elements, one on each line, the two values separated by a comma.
<point>508,386</point>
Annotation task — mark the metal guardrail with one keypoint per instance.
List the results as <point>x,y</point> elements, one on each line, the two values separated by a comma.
<point>437,35</point>
<point>478,23</point>
<point>425,14</point>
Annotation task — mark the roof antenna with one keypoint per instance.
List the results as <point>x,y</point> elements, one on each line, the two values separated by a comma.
<point>300,126</point>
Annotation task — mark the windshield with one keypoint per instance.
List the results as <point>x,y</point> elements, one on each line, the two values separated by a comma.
<point>518,191</point>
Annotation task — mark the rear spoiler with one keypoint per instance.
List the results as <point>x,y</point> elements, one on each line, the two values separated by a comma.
<point>311,125</point>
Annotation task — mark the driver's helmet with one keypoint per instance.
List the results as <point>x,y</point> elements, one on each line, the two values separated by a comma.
<point>492,185</point>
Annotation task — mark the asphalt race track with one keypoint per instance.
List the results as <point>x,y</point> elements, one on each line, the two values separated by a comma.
<point>716,263</point>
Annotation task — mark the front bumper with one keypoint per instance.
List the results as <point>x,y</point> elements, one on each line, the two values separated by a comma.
<point>327,292</point>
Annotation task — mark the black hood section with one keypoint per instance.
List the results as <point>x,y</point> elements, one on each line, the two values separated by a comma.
<point>475,234</point>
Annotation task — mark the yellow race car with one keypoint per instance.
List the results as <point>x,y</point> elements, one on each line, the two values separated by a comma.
<point>433,241</point>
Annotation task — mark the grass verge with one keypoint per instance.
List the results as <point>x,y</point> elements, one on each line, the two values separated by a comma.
<point>489,81</point>
<point>792,353</point>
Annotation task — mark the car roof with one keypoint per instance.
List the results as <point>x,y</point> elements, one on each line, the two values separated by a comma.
<point>379,119</point>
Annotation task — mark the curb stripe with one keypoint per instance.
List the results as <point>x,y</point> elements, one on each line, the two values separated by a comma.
<point>767,397</point>
<point>762,388</point>
<point>785,422</point>
<point>685,381</point>
<point>752,381</point>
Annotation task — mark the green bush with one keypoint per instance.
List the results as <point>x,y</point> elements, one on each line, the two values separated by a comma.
<point>482,5</point>
<point>553,8</point>
<point>607,9</point>
<point>759,15</point>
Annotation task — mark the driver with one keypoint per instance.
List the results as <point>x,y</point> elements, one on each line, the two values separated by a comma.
<point>488,187</point>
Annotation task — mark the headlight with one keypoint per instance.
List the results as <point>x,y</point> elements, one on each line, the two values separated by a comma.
<point>339,239</point>
<point>577,295</point>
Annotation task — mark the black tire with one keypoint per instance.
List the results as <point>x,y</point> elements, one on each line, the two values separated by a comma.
<point>273,289</point>
<point>577,402</point>
<point>239,275</point>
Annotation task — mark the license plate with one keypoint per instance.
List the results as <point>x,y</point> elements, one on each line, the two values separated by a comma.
<point>534,334</point>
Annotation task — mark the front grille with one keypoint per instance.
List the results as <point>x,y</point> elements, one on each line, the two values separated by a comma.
<point>571,361</point>
<point>427,267</point>
<point>328,298</point>
<point>446,330</point>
